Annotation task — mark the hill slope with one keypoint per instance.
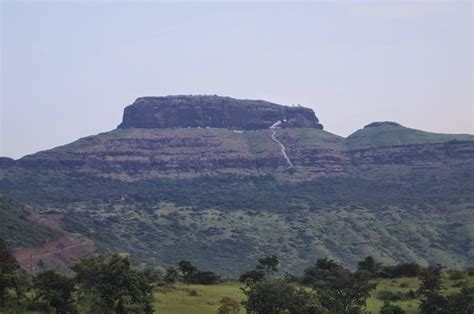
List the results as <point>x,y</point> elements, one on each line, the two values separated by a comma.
<point>223,197</point>
<point>18,228</point>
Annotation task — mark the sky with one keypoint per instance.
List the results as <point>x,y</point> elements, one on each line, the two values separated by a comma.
<point>68,68</point>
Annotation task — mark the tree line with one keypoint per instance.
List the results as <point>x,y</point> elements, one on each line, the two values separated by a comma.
<point>336,289</point>
<point>111,285</point>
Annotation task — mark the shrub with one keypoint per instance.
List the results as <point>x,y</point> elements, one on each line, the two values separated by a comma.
<point>470,271</point>
<point>460,284</point>
<point>204,278</point>
<point>192,292</point>
<point>401,270</point>
<point>389,308</point>
<point>386,295</point>
<point>456,275</point>
<point>277,296</point>
<point>228,306</point>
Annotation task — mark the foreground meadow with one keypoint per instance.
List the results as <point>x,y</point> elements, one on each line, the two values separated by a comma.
<point>203,299</point>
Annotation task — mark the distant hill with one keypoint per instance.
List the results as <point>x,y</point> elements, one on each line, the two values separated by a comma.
<point>184,178</point>
<point>391,133</point>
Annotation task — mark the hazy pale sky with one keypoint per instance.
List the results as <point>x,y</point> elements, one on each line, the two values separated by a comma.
<point>69,68</point>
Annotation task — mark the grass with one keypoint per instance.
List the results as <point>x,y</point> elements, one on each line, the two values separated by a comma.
<point>397,135</point>
<point>178,299</point>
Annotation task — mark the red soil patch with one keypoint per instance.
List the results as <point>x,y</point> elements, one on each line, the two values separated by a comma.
<point>58,254</point>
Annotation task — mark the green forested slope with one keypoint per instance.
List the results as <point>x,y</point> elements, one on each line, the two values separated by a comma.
<point>17,229</point>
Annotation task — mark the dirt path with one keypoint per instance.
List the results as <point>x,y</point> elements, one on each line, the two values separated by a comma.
<point>283,149</point>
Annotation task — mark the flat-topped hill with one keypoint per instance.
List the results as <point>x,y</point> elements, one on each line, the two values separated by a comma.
<point>214,112</point>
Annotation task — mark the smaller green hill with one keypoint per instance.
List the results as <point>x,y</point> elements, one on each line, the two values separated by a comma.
<point>18,229</point>
<point>392,133</point>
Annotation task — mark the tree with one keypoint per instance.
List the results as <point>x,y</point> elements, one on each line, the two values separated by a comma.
<point>111,285</point>
<point>434,303</point>
<point>401,270</point>
<point>369,265</point>
<point>55,290</point>
<point>252,275</point>
<point>274,296</point>
<point>430,280</point>
<point>311,273</point>
<point>462,302</point>
<point>8,271</point>
<point>153,273</point>
<point>204,278</point>
<point>340,290</point>
<point>187,269</point>
<point>171,275</point>
<point>268,265</point>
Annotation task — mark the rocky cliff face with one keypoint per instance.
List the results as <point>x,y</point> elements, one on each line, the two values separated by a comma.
<point>192,136</point>
<point>214,112</point>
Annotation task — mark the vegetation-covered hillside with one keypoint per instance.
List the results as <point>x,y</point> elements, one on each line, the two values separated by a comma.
<point>210,194</point>
<point>17,227</point>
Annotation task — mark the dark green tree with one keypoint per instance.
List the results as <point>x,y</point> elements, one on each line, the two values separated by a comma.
<point>8,272</point>
<point>340,290</point>
<point>430,280</point>
<point>187,270</point>
<point>434,303</point>
<point>268,265</point>
<point>111,285</point>
<point>370,265</point>
<point>55,290</point>
<point>171,275</point>
<point>252,275</point>
<point>462,302</point>
<point>322,264</point>
<point>275,296</point>
<point>401,270</point>
<point>204,278</point>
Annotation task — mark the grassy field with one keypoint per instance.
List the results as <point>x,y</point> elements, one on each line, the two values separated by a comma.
<point>182,299</point>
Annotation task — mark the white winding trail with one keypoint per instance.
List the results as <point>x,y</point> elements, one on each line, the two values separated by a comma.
<point>283,149</point>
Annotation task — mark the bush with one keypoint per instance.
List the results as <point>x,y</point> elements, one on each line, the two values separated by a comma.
<point>192,292</point>
<point>387,295</point>
<point>277,296</point>
<point>388,308</point>
<point>460,284</point>
<point>401,270</point>
<point>456,275</point>
<point>470,271</point>
<point>204,278</point>
<point>228,306</point>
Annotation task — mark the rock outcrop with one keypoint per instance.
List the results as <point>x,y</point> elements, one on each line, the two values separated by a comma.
<point>192,136</point>
<point>214,112</point>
